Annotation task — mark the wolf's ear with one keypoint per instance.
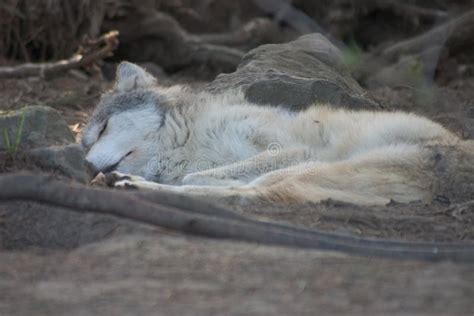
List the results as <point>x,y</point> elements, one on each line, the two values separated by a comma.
<point>131,76</point>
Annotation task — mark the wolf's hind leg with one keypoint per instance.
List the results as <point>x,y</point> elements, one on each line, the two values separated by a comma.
<point>400,173</point>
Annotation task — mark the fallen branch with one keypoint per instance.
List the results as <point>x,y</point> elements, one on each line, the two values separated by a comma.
<point>193,216</point>
<point>91,52</point>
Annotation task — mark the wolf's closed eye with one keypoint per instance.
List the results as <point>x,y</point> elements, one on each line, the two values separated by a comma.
<point>103,129</point>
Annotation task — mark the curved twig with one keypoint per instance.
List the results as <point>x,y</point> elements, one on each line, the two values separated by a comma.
<point>193,216</point>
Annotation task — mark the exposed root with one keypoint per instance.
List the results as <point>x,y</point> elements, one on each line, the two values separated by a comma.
<point>169,44</point>
<point>410,11</point>
<point>189,215</point>
<point>253,33</point>
<point>455,35</point>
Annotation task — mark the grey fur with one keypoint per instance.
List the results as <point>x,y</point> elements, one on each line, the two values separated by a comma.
<point>113,102</point>
<point>224,146</point>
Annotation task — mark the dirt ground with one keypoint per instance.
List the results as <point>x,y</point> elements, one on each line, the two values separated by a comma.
<point>138,275</point>
<point>185,275</point>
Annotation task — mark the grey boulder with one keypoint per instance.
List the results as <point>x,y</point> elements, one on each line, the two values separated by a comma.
<point>44,138</point>
<point>68,160</point>
<point>296,75</point>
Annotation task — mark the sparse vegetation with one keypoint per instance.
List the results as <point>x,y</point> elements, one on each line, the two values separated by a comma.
<point>12,145</point>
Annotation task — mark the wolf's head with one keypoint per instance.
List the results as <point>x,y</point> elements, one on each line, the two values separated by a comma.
<point>120,133</point>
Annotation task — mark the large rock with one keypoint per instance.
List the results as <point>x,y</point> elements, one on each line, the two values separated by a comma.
<point>68,160</point>
<point>296,74</point>
<point>42,126</point>
<point>43,137</point>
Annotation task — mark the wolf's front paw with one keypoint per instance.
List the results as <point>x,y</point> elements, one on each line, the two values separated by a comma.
<point>127,181</point>
<point>122,180</point>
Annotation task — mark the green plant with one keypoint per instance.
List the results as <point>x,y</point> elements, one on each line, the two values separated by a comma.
<point>12,149</point>
<point>352,55</point>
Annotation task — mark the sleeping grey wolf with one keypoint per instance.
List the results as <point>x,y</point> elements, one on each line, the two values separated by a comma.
<point>223,146</point>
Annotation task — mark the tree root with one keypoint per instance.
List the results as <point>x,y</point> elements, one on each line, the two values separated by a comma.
<point>91,52</point>
<point>410,11</point>
<point>162,39</point>
<point>253,33</point>
<point>189,215</point>
<point>455,35</point>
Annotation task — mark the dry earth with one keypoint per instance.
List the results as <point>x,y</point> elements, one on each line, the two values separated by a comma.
<point>175,275</point>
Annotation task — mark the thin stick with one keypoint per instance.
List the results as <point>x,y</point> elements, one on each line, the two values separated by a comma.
<point>80,59</point>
